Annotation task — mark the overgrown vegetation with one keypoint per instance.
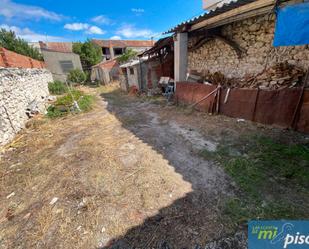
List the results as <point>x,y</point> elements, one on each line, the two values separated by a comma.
<point>77,76</point>
<point>127,55</point>
<point>90,53</point>
<point>10,41</point>
<point>65,104</point>
<point>57,87</point>
<point>273,178</point>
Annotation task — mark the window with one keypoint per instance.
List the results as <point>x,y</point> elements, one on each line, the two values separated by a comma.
<point>131,70</point>
<point>118,51</point>
<point>66,66</point>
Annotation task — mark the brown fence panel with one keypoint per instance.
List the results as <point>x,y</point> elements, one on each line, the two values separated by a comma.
<point>189,93</point>
<point>240,103</point>
<point>275,107</point>
<point>303,122</point>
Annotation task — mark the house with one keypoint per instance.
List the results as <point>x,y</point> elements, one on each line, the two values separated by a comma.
<point>235,50</point>
<point>144,73</point>
<point>59,58</point>
<point>114,48</point>
<point>233,37</point>
<point>105,71</point>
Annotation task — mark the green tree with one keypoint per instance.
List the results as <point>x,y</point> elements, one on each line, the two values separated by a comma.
<point>128,55</point>
<point>90,53</point>
<point>10,41</point>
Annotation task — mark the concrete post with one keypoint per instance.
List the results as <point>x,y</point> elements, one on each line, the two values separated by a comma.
<point>181,56</point>
<point>111,51</point>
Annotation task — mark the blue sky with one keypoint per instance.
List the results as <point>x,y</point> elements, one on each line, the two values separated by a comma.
<point>62,20</point>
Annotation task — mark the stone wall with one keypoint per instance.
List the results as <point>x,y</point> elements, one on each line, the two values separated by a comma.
<point>255,36</point>
<point>20,89</point>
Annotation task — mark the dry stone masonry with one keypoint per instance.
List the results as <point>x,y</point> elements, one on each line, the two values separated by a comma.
<point>20,90</point>
<point>255,36</point>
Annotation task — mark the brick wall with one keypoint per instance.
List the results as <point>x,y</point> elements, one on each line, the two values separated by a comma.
<point>12,59</point>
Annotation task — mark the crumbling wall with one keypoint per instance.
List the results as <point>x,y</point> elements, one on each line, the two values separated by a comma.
<point>12,59</point>
<point>20,89</point>
<point>255,36</point>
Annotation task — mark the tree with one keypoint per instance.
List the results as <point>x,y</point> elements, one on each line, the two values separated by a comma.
<point>128,55</point>
<point>90,53</point>
<point>9,41</point>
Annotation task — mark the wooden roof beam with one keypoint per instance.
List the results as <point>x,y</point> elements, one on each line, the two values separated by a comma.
<point>260,4</point>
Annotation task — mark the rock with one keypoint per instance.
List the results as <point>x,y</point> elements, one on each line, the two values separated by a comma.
<point>10,195</point>
<point>53,201</point>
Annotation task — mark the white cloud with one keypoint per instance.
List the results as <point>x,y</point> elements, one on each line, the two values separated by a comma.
<point>76,26</point>
<point>130,31</point>
<point>138,10</point>
<point>95,30</point>
<point>102,20</point>
<point>10,10</point>
<point>29,35</point>
<point>115,37</point>
<point>86,27</point>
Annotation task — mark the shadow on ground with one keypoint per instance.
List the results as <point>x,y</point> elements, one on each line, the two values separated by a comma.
<point>197,218</point>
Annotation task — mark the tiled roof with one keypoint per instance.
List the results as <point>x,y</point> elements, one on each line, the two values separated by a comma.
<point>222,7</point>
<point>64,47</point>
<point>107,64</point>
<point>123,43</point>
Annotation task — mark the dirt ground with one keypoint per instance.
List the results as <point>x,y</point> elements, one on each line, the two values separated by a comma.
<point>127,174</point>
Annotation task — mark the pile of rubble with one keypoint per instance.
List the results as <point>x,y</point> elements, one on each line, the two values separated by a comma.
<point>279,76</point>
<point>282,75</point>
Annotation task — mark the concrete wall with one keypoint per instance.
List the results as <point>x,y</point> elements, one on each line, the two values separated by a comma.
<point>255,35</point>
<point>133,79</point>
<point>18,89</point>
<point>52,61</point>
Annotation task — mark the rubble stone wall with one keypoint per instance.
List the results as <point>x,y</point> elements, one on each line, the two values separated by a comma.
<point>255,35</point>
<point>19,89</point>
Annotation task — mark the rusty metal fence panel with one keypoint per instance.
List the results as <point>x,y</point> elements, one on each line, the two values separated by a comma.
<point>271,107</point>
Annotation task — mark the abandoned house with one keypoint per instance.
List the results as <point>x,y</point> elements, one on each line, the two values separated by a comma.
<point>105,71</point>
<point>114,48</point>
<point>144,73</point>
<point>59,58</point>
<point>232,45</point>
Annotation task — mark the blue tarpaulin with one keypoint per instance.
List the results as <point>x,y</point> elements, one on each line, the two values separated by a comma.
<point>292,26</point>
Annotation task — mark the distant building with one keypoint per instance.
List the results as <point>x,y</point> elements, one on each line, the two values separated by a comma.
<point>105,71</point>
<point>59,58</point>
<point>114,48</point>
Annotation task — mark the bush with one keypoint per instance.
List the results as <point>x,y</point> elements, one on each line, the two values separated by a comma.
<point>77,76</point>
<point>57,87</point>
<point>128,55</point>
<point>65,104</point>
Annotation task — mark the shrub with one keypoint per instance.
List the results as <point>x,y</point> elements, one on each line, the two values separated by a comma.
<point>65,104</point>
<point>128,55</point>
<point>77,76</point>
<point>57,87</point>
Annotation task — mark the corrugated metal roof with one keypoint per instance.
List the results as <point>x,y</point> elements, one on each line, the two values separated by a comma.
<point>123,43</point>
<point>221,8</point>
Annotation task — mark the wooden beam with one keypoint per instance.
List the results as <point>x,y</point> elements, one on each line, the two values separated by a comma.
<point>234,12</point>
